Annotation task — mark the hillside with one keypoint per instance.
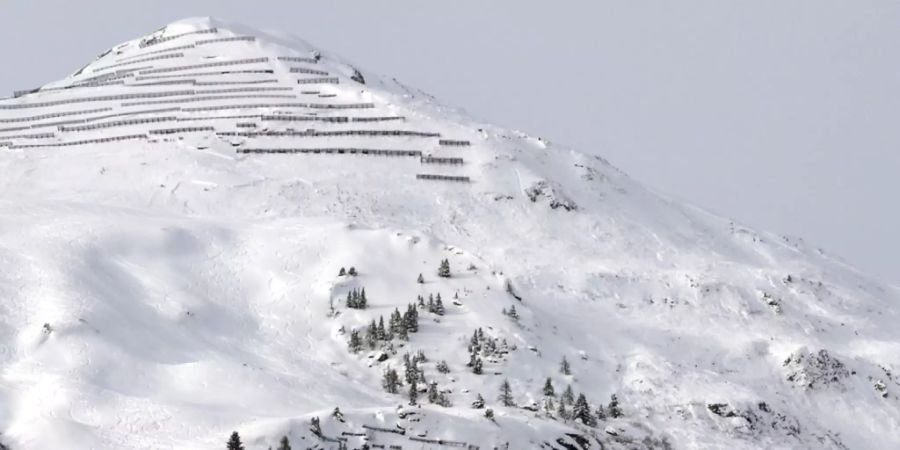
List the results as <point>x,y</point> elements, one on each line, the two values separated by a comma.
<point>177,214</point>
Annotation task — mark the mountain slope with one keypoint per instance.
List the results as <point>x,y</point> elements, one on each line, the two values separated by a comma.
<point>171,258</point>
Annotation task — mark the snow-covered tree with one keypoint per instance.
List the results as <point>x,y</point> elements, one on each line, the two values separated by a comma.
<point>372,335</point>
<point>613,410</point>
<point>433,394</point>
<point>421,279</point>
<point>355,344</point>
<point>413,393</point>
<point>568,396</point>
<point>564,367</point>
<point>582,411</point>
<point>512,313</point>
<point>479,402</point>
<point>391,381</point>
<point>489,414</point>
<point>444,269</point>
<point>285,444</point>
<point>562,412</point>
<point>315,427</point>
<point>234,442</point>
<point>506,396</point>
<point>443,367</point>
<point>352,272</point>
<point>478,367</point>
<point>438,305</point>
<point>548,388</point>
<point>342,272</point>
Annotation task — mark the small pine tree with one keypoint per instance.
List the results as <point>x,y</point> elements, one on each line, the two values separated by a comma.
<point>391,381</point>
<point>562,412</point>
<point>381,333</point>
<point>285,444</point>
<point>601,413</point>
<point>421,301</point>
<point>489,414</point>
<point>478,367</point>
<point>337,414</point>
<point>613,410</point>
<point>421,279</point>
<point>548,388</point>
<point>355,343</point>
<point>234,443</point>
<point>443,367</point>
<point>564,367</point>
<point>568,396</point>
<point>582,411</point>
<point>352,272</point>
<point>438,305</point>
<point>372,335</point>
<point>479,402</point>
<point>444,269</point>
<point>362,302</point>
<point>512,313</point>
<point>342,272</point>
<point>413,393</point>
<point>433,394</point>
<point>506,397</point>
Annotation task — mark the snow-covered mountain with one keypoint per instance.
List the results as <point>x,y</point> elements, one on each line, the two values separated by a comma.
<point>179,217</point>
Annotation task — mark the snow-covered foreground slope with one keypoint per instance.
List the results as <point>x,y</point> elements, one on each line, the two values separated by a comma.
<point>181,281</point>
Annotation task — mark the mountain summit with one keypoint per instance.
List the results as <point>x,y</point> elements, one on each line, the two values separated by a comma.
<point>213,229</point>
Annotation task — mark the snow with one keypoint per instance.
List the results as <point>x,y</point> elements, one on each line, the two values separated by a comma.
<point>187,286</point>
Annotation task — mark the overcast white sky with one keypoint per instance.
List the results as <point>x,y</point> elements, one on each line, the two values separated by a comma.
<point>782,114</point>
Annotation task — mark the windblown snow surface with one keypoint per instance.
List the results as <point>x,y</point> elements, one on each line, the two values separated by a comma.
<point>174,284</point>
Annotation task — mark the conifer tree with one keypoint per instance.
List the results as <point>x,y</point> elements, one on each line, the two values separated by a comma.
<point>363,301</point>
<point>601,413</point>
<point>234,443</point>
<point>372,335</point>
<point>512,313</point>
<point>478,368</point>
<point>438,305</point>
<point>443,367</point>
<point>548,388</point>
<point>582,411</point>
<point>381,332</point>
<point>613,410</point>
<point>489,414</point>
<point>285,444</point>
<point>433,395</point>
<point>391,381</point>
<point>444,269</point>
<point>413,393</point>
<point>506,397</point>
<point>355,343</point>
<point>562,412</point>
<point>315,427</point>
<point>568,397</point>
<point>421,301</point>
<point>352,271</point>
<point>564,367</point>
<point>479,402</point>
<point>342,272</point>
<point>421,279</point>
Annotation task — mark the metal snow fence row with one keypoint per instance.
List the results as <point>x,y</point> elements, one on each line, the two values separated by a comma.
<point>453,143</point>
<point>227,39</point>
<point>422,176</point>
<point>309,71</point>
<point>245,89</point>
<point>341,106</point>
<point>439,442</point>
<point>314,133</point>
<point>284,118</point>
<point>85,142</point>
<point>5,144</point>
<point>439,160</point>
<point>157,41</point>
<point>30,136</point>
<point>322,80</point>
<point>207,98</point>
<point>298,59</point>
<point>377,119</point>
<point>245,125</point>
<point>17,94</point>
<point>227,83</point>
<point>327,95</point>
<point>194,119</point>
<point>182,130</point>
<point>204,74</point>
<point>118,123</point>
<point>6,130</point>
<point>103,98</point>
<point>280,105</point>
<point>385,430</point>
<point>310,92</point>
<point>235,62</point>
<point>54,115</point>
<point>114,82</point>
<point>136,61</point>
<point>332,151</point>
<point>154,52</point>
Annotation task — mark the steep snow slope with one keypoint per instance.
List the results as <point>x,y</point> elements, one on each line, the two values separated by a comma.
<point>180,280</point>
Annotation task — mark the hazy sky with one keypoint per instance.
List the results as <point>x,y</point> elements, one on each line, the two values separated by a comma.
<point>782,114</point>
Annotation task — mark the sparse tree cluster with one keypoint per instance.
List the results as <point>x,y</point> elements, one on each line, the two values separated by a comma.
<point>435,304</point>
<point>356,299</point>
<point>511,313</point>
<point>579,409</point>
<point>481,347</point>
<point>399,327</point>
<point>344,272</point>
